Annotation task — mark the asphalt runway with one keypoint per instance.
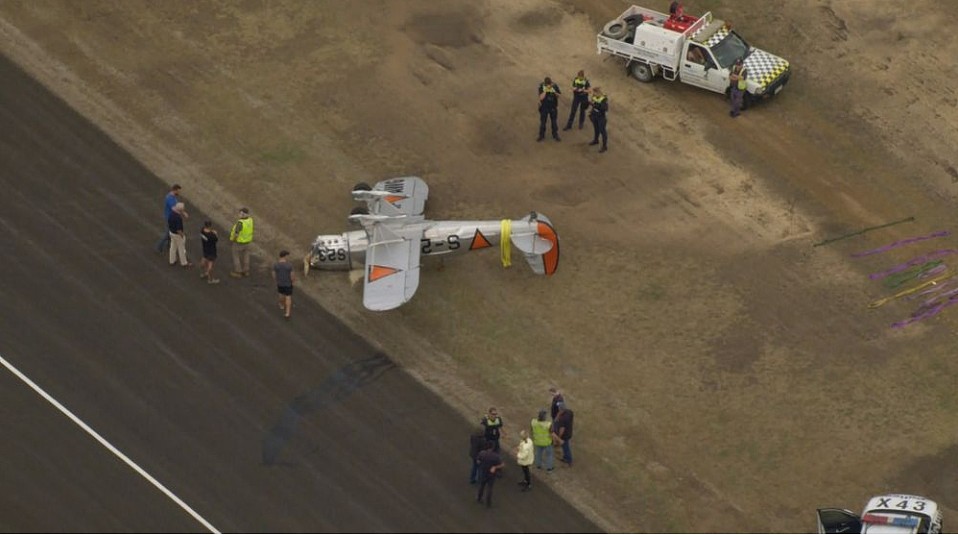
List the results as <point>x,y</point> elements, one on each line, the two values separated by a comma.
<point>258,424</point>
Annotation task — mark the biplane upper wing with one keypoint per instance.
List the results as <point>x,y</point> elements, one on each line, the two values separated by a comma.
<point>402,196</point>
<point>392,269</point>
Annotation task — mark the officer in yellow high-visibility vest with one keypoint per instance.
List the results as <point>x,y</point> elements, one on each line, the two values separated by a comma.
<point>241,235</point>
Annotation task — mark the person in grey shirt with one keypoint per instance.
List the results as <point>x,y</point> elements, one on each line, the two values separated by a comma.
<point>284,277</point>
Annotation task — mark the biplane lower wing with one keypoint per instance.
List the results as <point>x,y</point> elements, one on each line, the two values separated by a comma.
<point>392,269</point>
<point>395,197</point>
<point>406,196</point>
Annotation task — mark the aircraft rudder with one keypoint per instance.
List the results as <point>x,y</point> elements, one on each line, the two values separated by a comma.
<point>545,263</point>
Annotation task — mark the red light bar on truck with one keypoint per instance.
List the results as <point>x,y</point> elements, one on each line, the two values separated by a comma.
<point>903,521</point>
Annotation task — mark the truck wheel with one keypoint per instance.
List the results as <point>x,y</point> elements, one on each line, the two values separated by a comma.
<point>616,29</point>
<point>641,71</point>
<point>361,186</point>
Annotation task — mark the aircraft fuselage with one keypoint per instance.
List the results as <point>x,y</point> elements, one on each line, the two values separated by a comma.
<point>348,250</point>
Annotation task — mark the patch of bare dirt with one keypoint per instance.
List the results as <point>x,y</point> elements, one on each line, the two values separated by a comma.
<point>727,375</point>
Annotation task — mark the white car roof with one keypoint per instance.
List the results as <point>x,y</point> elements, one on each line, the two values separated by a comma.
<point>898,513</point>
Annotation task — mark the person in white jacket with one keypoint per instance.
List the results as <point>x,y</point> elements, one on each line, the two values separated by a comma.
<point>524,457</point>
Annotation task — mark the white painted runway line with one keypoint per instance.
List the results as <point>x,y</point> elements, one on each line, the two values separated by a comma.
<point>108,446</point>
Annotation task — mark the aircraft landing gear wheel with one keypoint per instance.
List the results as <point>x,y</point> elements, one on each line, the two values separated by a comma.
<point>359,210</point>
<point>361,186</point>
<point>641,71</point>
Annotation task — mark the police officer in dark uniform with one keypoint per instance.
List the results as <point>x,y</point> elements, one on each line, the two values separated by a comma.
<point>548,107</point>
<point>580,99</point>
<point>492,424</point>
<point>600,106</point>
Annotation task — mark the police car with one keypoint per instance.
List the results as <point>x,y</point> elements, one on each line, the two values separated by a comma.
<point>889,513</point>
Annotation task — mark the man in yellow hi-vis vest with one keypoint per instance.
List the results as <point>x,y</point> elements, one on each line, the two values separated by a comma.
<point>241,235</point>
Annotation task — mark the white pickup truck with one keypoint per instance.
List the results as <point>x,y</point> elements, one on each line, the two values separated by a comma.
<point>696,50</point>
<point>888,513</point>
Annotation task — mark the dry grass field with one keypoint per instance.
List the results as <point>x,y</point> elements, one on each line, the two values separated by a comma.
<point>727,375</point>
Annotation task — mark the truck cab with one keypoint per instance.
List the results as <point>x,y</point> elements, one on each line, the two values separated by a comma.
<point>700,68</point>
<point>888,513</point>
<point>708,56</point>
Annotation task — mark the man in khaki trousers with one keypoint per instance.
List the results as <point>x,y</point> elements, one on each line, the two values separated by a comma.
<point>178,235</point>
<point>241,236</point>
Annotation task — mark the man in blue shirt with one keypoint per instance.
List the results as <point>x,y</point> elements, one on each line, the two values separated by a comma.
<point>171,199</point>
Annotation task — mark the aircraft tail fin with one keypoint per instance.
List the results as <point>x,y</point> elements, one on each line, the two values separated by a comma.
<point>538,241</point>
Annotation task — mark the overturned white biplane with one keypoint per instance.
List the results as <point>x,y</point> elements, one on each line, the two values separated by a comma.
<point>395,234</point>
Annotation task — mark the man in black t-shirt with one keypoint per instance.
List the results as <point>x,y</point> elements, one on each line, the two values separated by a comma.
<point>283,275</point>
<point>489,465</point>
<point>209,238</point>
<point>562,432</point>
<point>477,443</point>
<point>557,399</point>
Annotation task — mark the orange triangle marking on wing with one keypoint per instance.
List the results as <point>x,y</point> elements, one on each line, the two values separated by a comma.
<point>479,241</point>
<point>378,272</point>
<point>393,199</point>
